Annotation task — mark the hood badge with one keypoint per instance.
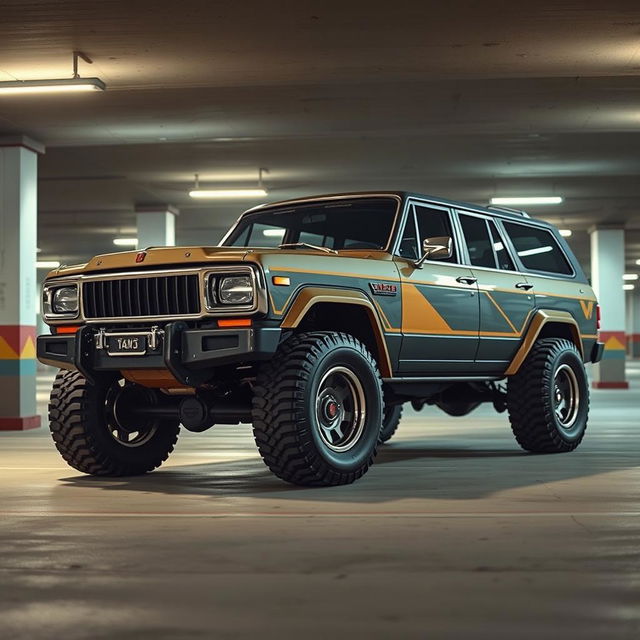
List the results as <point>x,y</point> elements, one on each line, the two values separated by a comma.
<point>140,256</point>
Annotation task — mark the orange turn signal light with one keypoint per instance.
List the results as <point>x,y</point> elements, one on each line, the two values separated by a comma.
<point>67,329</point>
<point>234,322</point>
<point>282,281</point>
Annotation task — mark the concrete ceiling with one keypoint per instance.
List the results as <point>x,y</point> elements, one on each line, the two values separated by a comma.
<point>460,99</point>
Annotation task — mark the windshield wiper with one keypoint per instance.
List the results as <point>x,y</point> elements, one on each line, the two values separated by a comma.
<point>293,245</point>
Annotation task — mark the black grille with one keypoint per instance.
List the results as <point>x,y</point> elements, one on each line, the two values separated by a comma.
<point>142,297</point>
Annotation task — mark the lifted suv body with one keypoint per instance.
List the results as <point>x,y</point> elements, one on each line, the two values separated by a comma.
<point>444,324</point>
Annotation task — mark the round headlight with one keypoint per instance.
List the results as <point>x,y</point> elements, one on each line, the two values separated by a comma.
<point>65,300</point>
<point>236,290</point>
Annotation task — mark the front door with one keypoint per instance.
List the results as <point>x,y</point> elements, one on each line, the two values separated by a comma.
<point>440,308</point>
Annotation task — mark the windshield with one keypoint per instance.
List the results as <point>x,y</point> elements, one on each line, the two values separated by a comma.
<point>358,223</point>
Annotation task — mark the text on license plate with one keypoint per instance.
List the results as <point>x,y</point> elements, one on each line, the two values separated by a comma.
<point>127,345</point>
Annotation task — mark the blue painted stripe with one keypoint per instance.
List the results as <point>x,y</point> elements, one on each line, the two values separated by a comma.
<point>614,354</point>
<point>26,367</point>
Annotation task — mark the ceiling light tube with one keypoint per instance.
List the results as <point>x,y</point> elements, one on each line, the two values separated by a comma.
<point>527,200</point>
<point>47,264</point>
<point>630,276</point>
<point>628,287</point>
<point>228,193</point>
<point>69,85</point>
<point>125,242</point>
<point>566,233</point>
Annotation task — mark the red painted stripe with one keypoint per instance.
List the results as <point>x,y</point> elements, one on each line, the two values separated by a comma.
<point>610,385</point>
<point>19,424</point>
<point>15,335</point>
<point>606,335</point>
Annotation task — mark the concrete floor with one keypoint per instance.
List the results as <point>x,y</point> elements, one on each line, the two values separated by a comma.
<point>454,533</point>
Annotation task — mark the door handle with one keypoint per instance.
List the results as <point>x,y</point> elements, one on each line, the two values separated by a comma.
<point>466,280</point>
<point>524,285</point>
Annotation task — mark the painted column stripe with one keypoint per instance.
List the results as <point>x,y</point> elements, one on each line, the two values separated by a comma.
<point>17,342</point>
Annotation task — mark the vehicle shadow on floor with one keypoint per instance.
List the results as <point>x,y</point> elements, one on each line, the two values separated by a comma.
<point>400,472</point>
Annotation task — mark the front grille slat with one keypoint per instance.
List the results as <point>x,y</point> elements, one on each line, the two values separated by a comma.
<point>142,297</point>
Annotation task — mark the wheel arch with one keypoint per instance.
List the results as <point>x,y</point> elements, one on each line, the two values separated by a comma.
<point>312,302</point>
<point>546,323</point>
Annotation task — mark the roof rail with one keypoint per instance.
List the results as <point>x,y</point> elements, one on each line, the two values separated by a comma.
<point>519,212</point>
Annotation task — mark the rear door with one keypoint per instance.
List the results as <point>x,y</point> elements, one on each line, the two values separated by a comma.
<point>506,300</point>
<point>440,310</point>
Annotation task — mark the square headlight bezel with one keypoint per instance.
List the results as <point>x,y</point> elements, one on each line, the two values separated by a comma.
<point>48,290</point>
<point>212,280</point>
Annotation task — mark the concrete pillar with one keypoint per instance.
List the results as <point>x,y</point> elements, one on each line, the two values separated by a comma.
<point>156,225</point>
<point>633,321</point>
<point>18,285</point>
<point>607,269</point>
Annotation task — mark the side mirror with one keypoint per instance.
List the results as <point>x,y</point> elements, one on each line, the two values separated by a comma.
<point>440,248</point>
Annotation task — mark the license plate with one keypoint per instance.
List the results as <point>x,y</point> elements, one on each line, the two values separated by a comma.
<point>128,345</point>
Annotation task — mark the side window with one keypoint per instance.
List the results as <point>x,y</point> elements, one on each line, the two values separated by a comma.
<point>409,243</point>
<point>479,242</point>
<point>433,223</point>
<point>538,249</point>
<point>504,259</point>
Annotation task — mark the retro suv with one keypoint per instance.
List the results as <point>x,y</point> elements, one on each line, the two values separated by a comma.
<point>315,320</point>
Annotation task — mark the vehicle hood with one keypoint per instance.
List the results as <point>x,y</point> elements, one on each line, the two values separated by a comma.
<point>185,257</point>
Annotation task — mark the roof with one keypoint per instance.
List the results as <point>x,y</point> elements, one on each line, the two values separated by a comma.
<point>404,195</point>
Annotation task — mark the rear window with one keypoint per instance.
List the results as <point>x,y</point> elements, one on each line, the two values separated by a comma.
<point>538,249</point>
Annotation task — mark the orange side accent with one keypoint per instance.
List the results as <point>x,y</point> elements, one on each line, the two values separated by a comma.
<point>234,322</point>
<point>587,308</point>
<point>419,315</point>
<point>281,281</point>
<point>67,329</point>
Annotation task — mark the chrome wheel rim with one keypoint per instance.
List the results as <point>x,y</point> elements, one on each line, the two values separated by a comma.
<point>340,409</point>
<point>566,396</point>
<point>125,435</point>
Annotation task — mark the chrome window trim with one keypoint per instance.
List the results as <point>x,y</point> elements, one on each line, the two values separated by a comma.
<point>259,304</point>
<point>550,231</point>
<point>410,210</point>
<point>293,203</point>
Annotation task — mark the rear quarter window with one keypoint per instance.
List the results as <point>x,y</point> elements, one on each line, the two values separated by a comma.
<point>538,249</point>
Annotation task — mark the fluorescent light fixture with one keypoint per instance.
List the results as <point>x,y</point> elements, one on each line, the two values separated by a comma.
<point>47,264</point>
<point>75,84</point>
<point>125,242</point>
<point>566,233</point>
<point>630,276</point>
<point>527,200</point>
<point>274,233</point>
<point>228,193</point>
<point>637,261</point>
<point>70,85</point>
<point>534,252</point>
<point>628,287</point>
<point>259,192</point>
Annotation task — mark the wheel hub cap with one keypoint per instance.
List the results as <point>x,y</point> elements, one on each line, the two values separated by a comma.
<point>340,409</point>
<point>566,396</point>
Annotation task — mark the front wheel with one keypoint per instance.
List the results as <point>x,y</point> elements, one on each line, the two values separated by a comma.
<point>390,421</point>
<point>87,435</point>
<point>317,409</point>
<point>548,399</point>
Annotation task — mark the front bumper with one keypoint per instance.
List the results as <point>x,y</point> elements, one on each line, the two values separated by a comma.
<point>189,354</point>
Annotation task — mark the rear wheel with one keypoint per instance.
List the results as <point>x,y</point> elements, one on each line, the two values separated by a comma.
<point>90,439</point>
<point>548,399</point>
<point>390,421</point>
<point>317,409</point>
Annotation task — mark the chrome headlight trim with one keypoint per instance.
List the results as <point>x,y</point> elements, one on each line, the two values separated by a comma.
<point>47,302</point>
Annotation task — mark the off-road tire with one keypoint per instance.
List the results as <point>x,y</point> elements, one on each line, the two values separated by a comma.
<point>285,423</point>
<point>530,398</point>
<point>79,429</point>
<point>390,421</point>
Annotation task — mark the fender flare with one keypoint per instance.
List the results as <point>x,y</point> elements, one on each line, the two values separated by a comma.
<point>541,318</point>
<point>308,297</point>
